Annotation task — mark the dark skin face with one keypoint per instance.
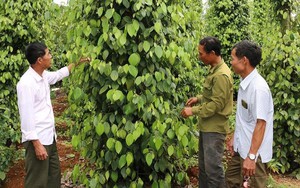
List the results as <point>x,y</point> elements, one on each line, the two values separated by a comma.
<point>45,61</point>
<point>203,55</point>
<point>208,58</point>
<point>240,66</point>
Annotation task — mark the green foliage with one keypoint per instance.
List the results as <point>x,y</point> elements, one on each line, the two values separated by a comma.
<point>262,25</point>
<point>281,68</point>
<point>126,103</point>
<point>222,22</point>
<point>284,11</point>
<point>18,27</point>
<point>6,134</point>
<point>56,27</point>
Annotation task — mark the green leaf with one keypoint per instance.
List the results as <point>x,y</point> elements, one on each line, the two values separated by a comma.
<point>129,139</point>
<point>100,129</point>
<point>118,95</point>
<point>158,143</point>
<point>2,175</point>
<point>133,70</point>
<point>102,179</point>
<point>129,108</point>
<point>77,93</point>
<point>114,75</point>
<point>136,25</point>
<point>171,134</point>
<point>105,54</point>
<point>138,80</point>
<point>110,93</point>
<point>114,176</point>
<point>107,175</point>
<point>109,13</point>
<point>118,147</point>
<point>158,76</point>
<point>126,3</point>
<point>146,46</point>
<point>131,30</point>
<point>87,31</point>
<point>122,161</point>
<point>149,158</point>
<point>75,140</point>
<point>134,59</point>
<point>129,158</point>
<point>162,128</point>
<point>110,143</point>
<point>170,150</point>
<point>158,51</point>
<point>157,26</point>
<point>123,39</point>
<point>184,141</point>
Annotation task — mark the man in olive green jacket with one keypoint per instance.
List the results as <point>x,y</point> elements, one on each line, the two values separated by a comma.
<point>213,109</point>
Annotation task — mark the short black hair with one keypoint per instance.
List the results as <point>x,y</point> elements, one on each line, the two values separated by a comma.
<point>250,50</point>
<point>211,44</point>
<point>35,50</point>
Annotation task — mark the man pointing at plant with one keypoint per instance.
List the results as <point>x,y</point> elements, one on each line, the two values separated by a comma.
<point>37,118</point>
<point>213,108</point>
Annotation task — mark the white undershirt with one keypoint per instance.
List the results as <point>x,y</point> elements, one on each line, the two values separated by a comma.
<point>35,108</point>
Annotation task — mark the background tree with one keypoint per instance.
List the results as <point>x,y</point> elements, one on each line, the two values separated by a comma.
<point>229,21</point>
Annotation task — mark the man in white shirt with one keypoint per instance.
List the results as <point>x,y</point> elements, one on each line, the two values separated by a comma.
<point>37,118</point>
<point>251,145</point>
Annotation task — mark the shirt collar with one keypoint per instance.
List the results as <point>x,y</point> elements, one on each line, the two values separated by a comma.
<point>35,75</point>
<point>213,69</point>
<point>246,81</point>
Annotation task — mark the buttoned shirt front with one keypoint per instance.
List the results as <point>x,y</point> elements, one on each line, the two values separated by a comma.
<point>35,108</point>
<point>254,102</point>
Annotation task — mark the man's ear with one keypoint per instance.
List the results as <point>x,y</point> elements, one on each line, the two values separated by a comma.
<point>247,60</point>
<point>39,59</point>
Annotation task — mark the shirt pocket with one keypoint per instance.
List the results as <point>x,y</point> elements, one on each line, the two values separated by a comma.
<point>246,112</point>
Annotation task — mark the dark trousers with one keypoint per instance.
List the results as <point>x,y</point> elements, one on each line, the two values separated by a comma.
<point>211,150</point>
<point>42,174</point>
<point>234,176</point>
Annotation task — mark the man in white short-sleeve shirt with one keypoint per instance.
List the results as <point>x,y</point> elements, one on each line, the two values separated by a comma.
<point>251,145</point>
<point>37,118</point>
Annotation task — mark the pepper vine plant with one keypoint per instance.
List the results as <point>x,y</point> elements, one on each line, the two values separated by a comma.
<point>126,103</point>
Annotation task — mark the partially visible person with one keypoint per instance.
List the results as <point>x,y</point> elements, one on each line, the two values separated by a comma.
<point>37,119</point>
<point>213,109</point>
<point>251,145</point>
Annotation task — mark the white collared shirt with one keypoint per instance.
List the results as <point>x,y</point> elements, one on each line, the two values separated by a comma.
<point>35,108</point>
<point>254,102</point>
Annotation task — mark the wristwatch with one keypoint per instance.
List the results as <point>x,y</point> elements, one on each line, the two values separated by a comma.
<point>251,156</point>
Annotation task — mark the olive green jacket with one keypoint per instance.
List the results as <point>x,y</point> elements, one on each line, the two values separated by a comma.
<point>216,102</point>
